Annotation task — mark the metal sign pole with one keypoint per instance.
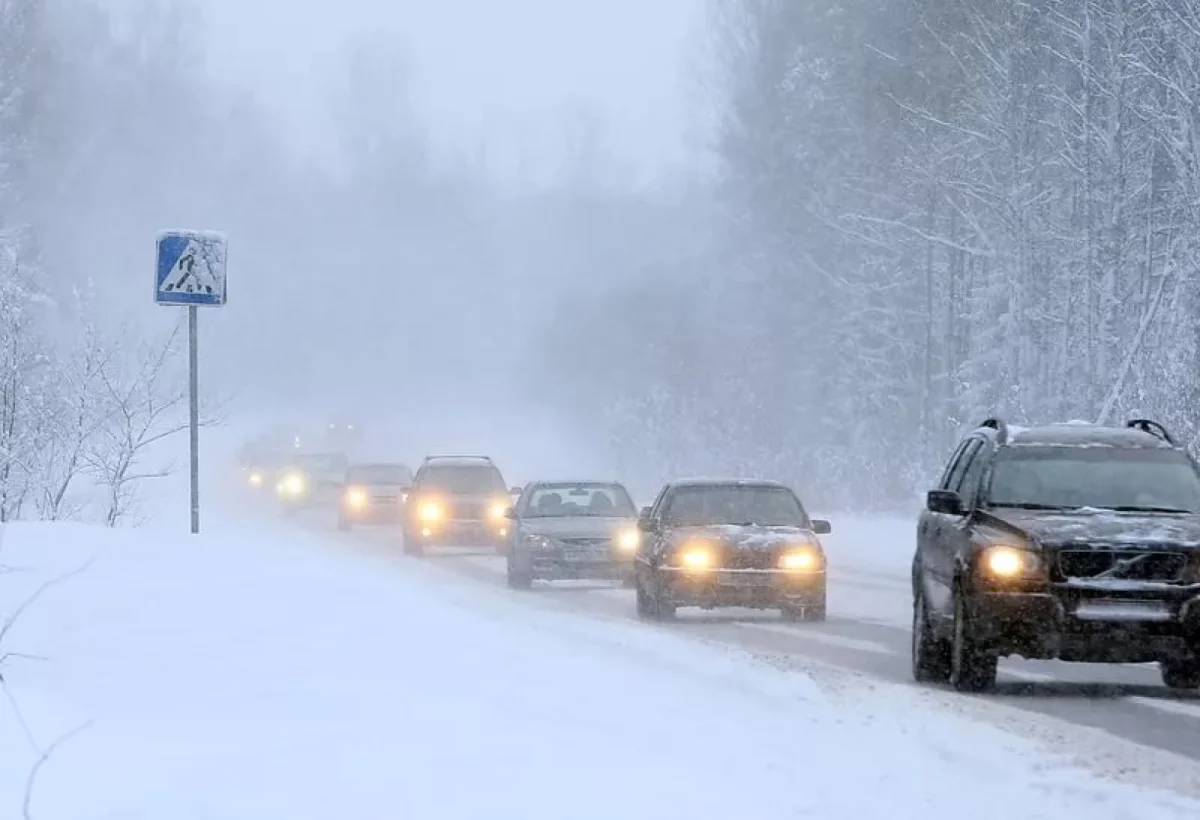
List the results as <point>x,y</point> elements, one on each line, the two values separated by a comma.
<point>189,272</point>
<point>194,410</point>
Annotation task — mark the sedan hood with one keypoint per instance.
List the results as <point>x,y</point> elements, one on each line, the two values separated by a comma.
<point>747,537</point>
<point>584,526</point>
<point>1102,528</point>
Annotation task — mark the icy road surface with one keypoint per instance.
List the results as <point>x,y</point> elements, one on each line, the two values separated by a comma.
<point>260,676</point>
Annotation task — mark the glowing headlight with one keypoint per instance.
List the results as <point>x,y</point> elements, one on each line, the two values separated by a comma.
<point>430,511</point>
<point>356,497</point>
<point>800,560</point>
<point>497,510</point>
<point>1009,562</point>
<point>696,557</point>
<point>628,540</point>
<point>293,484</point>
<point>256,479</point>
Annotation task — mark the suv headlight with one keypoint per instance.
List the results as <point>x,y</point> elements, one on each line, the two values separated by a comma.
<point>1004,562</point>
<point>356,497</point>
<point>430,511</point>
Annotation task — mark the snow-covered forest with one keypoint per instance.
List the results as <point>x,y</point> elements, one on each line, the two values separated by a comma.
<point>924,213</point>
<point>931,212</point>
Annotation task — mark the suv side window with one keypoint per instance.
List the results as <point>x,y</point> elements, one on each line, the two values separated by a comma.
<point>945,483</point>
<point>968,488</point>
<point>954,481</point>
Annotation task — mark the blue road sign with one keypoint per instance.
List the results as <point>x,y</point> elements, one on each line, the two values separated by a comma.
<point>190,269</point>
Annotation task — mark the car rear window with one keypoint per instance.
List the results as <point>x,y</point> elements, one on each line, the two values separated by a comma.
<point>461,478</point>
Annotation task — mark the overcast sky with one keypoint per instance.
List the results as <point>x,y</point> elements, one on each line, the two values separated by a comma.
<point>497,67</point>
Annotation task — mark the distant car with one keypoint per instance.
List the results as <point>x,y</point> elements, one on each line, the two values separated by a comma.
<point>374,494</point>
<point>582,530</point>
<point>1068,541</point>
<point>732,543</point>
<point>457,501</point>
<point>312,480</point>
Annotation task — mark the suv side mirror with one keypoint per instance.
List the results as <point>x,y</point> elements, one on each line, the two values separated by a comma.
<point>821,527</point>
<point>944,501</point>
<point>511,513</point>
<point>644,522</point>
<point>514,490</point>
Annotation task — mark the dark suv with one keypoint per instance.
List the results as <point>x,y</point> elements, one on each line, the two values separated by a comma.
<point>456,501</point>
<point>1070,541</point>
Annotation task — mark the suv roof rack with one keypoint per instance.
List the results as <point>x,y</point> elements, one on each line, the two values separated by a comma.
<point>458,458</point>
<point>1001,428</point>
<point>1153,428</point>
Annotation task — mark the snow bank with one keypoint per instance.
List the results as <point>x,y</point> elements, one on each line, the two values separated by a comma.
<point>241,677</point>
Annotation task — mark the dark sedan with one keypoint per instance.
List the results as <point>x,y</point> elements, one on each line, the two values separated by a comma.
<point>572,530</point>
<point>734,543</point>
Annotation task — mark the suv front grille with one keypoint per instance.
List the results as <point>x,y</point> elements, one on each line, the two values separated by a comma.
<point>1123,565</point>
<point>467,510</point>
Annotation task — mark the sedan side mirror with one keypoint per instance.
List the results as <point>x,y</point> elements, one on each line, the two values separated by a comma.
<point>821,527</point>
<point>944,501</point>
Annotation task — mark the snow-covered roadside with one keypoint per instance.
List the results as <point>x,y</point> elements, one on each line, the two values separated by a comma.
<point>247,677</point>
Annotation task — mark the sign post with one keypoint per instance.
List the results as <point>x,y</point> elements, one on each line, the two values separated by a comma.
<point>191,273</point>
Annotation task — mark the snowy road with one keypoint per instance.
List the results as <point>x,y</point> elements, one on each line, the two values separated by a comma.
<point>867,633</point>
<point>274,670</point>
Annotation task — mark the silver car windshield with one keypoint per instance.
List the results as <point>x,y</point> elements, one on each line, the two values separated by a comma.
<point>575,500</point>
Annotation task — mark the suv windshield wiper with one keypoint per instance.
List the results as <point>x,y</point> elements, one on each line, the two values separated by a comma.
<point>1029,505</point>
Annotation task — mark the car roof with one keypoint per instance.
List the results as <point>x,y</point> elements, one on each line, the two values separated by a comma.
<point>468,461</point>
<point>1079,434</point>
<point>691,483</point>
<point>572,482</point>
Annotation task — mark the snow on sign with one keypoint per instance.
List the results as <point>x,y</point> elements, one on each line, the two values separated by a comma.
<point>191,269</point>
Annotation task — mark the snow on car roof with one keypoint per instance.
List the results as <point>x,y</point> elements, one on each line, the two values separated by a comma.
<point>1083,434</point>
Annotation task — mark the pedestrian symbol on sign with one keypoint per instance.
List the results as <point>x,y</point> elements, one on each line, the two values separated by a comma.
<point>191,269</point>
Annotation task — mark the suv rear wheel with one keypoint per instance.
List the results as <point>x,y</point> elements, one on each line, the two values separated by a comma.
<point>1181,674</point>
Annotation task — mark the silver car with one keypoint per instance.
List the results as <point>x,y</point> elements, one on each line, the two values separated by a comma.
<point>572,530</point>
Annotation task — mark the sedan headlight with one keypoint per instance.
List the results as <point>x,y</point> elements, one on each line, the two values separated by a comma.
<point>256,479</point>
<point>430,511</point>
<point>697,556</point>
<point>629,540</point>
<point>1010,562</point>
<point>356,497</point>
<point>801,559</point>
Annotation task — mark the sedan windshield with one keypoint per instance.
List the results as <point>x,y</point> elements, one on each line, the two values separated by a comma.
<point>745,505</point>
<point>570,500</point>
<point>1128,479</point>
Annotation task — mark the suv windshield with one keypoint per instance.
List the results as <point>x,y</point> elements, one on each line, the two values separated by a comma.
<point>464,479</point>
<point>1115,478</point>
<point>565,500</point>
<point>387,474</point>
<point>764,506</point>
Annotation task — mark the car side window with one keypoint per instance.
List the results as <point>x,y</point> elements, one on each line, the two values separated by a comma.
<point>955,459</point>
<point>954,479</point>
<point>969,485</point>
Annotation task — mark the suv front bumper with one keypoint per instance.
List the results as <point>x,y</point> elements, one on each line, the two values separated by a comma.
<point>1091,623</point>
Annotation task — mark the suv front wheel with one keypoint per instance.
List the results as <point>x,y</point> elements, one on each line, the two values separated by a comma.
<point>972,667</point>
